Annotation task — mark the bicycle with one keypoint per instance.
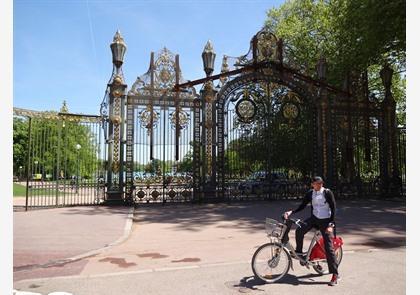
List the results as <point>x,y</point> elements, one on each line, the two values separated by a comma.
<point>273,260</point>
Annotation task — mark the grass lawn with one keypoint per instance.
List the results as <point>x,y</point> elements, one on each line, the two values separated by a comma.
<point>19,190</point>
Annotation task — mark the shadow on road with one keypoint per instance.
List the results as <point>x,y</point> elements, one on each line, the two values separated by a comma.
<point>363,217</point>
<point>248,284</point>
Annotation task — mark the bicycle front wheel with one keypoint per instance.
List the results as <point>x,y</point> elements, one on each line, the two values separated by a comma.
<point>271,262</point>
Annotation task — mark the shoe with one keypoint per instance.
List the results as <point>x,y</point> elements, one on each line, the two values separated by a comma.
<point>301,257</point>
<point>334,280</point>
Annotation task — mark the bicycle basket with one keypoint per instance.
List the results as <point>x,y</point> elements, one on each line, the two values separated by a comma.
<point>274,228</point>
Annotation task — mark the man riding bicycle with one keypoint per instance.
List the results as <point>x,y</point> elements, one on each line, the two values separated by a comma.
<point>322,217</point>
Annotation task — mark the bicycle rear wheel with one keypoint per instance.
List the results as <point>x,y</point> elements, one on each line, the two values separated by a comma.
<point>270,262</point>
<point>321,266</point>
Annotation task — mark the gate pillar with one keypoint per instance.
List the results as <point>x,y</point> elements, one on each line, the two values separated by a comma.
<point>116,118</point>
<point>391,181</point>
<point>209,142</point>
<point>324,147</point>
<point>326,156</point>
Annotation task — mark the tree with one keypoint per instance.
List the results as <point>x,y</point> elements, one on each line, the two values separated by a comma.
<point>20,145</point>
<point>354,35</point>
<point>271,143</point>
<point>53,147</point>
<point>186,165</point>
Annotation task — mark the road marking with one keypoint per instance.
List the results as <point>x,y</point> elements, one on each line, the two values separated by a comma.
<point>175,268</point>
<point>104,275</point>
<point>374,250</point>
<point>224,263</point>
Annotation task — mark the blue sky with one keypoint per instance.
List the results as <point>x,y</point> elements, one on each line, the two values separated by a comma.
<point>61,48</point>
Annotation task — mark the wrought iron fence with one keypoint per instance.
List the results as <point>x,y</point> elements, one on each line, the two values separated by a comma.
<point>65,163</point>
<point>402,156</point>
<point>260,134</point>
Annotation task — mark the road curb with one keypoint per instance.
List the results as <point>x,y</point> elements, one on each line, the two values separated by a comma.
<point>126,233</point>
<point>127,230</point>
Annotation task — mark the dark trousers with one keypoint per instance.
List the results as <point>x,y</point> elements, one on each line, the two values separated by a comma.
<point>321,224</point>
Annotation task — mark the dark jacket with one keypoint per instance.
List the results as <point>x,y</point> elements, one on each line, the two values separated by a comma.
<point>329,197</point>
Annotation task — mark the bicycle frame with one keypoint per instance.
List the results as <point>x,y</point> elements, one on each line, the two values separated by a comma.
<point>289,247</point>
<point>307,262</point>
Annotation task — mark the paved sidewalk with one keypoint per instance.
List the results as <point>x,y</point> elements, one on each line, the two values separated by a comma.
<point>19,201</point>
<point>45,237</point>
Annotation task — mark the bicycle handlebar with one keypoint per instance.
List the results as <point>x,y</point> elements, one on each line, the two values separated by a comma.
<point>299,222</point>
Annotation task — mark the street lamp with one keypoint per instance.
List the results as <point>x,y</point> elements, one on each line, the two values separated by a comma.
<point>208,57</point>
<point>321,68</point>
<point>386,76</point>
<point>78,146</point>
<point>118,49</point>
<point>20,172</point>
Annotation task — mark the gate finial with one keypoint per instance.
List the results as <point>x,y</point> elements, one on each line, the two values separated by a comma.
<point>208,57</point>
<point>64,108</point>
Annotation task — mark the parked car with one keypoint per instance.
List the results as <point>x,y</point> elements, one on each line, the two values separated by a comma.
<point>260,182</point>
<point>37,176</point>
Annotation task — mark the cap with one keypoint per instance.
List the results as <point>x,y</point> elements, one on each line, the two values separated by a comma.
<point>317,179</point>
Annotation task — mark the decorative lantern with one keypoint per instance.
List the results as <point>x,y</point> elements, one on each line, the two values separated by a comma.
<point>386,76</point>
<point>321,68</point>
<point>208,57</point>
<point>118,49</point>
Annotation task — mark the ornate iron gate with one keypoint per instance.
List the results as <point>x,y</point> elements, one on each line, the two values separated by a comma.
<point>268,149</point>
<point>162,128</point>
<point>65,162</point>
<point>261,133</point>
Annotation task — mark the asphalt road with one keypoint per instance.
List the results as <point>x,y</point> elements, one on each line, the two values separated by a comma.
<point>363,272</point>
<point>191,249</point>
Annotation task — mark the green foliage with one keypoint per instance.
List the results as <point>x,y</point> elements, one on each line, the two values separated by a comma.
<point>353,35</point>
<point>372,31</point>
<point>53,149</point>
<point>307,29</point>
<point>186,165</point>
<point>20,145</point>
<point>282,146</point>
